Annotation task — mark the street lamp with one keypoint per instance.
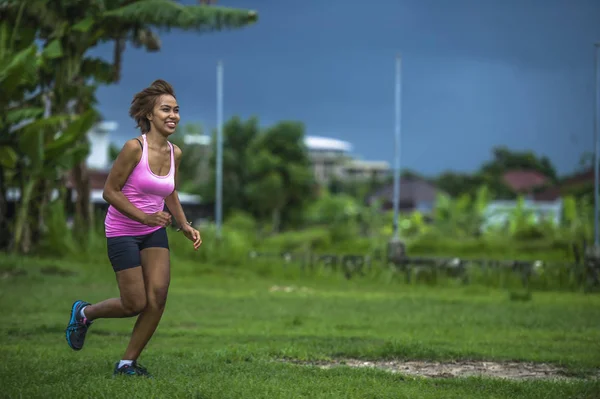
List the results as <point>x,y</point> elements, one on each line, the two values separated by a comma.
<point>596,145</point>
<point>592,254</point>
<point>219,166</point>
<point>396,249</point>
<point>398,104</point>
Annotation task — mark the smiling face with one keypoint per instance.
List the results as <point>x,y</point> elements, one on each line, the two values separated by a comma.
<point>165,115</point>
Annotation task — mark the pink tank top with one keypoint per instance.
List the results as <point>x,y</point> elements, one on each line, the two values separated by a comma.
<point>146,191</point>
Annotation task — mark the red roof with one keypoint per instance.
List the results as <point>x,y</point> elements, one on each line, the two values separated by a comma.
<point>554,192</point>
<point>582,177</point>
<point>524,180</point>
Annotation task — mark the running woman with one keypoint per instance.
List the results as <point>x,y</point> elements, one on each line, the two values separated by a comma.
<point>140,183</point>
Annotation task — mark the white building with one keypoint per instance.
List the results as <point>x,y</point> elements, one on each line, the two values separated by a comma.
<point>332,158</point>
<point>357,169</point>
<point>99,137</point>
<point>500,212</point>
<point>326,156</point>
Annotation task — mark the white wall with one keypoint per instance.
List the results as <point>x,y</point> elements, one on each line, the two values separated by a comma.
<point>498,212</point>
<point>99,137</point>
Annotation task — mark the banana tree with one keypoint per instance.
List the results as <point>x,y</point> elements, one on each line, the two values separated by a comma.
<point>33,150</point>
<point>46,155</point>
<point>18,76</point>
<point>70,28</point>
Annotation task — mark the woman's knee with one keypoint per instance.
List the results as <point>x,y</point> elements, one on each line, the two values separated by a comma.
<point>157,297</point>
<point>134,305</point>
<point>133,291</point>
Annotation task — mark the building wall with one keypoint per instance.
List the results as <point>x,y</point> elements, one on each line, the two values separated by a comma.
<point>326,164</point>
<point>499,212</point>
<point>333,160</point>
<point>99,137</point>
<point>364,170</point>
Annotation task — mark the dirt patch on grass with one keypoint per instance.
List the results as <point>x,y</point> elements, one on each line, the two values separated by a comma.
<point>457,369</point>
<point>291,288</point>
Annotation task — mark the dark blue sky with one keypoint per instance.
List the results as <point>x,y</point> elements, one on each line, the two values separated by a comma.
<point>476,73</point>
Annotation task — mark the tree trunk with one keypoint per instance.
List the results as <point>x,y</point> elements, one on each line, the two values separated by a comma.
<point>276,220</point>
<point>117,58</point>
<point>83,210</point>
<point>21,237</point>
<point>4,230</point>
<point>63,196</point>
<point>40,200</point>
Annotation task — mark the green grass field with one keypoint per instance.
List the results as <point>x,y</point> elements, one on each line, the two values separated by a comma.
<point>225,332</point>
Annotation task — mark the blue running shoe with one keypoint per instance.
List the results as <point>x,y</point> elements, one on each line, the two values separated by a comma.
<point>134,369</point>
<point>78,326</point>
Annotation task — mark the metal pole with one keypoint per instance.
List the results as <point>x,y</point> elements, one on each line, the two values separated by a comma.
<point>219,166</point>
<point>397,147</point>
<point>596,145</point>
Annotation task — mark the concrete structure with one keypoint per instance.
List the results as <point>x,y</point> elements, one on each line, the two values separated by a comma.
<point>199,139</point>
<point>356,169</point>
<point>331,158</point>
<point>499,212</point>
<point>99,137</point>
<point>327,156</point>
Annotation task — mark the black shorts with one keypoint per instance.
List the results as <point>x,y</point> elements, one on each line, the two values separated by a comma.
<point>124,251</point>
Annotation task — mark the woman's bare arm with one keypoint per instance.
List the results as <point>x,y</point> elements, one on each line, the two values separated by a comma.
<point>126,160</point>
<point>172,201</point>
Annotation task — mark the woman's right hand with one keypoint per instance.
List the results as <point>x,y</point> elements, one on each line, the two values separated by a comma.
<point>158,219</point>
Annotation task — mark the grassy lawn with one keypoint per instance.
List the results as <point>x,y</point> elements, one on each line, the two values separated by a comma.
<point>224,331</point>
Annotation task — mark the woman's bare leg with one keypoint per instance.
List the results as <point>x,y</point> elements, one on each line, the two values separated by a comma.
<point>131,302</point>
<point>156,271</point>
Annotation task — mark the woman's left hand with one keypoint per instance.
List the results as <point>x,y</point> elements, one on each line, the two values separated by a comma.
<point>193,235</point>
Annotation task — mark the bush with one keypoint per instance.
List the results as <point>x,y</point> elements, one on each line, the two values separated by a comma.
<point>232,249</point>
<point>58,238</point>
<point>313,239</point>
<point>499,248</point>
<point>340,225</point>
<point>241,221</point>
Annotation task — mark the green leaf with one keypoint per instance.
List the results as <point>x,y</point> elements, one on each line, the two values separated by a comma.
<point>17,69</point>
<point>18,115</point>
<point>74,131</point>
<point>52,123</point>
<point>263,163</point>
<point>31,145</point>
<point>8,157</point>
<point>84,25</point>
<point>53,49</point>
<point>98,69</point>
<point>31,139</point>
<point>72,157</point>
<point>170,14</point>
<point>4,36</point>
